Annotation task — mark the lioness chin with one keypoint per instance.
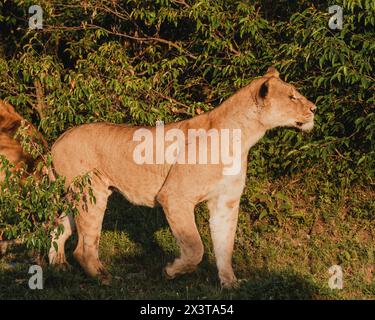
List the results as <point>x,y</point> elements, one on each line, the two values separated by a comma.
<point>107,151</point>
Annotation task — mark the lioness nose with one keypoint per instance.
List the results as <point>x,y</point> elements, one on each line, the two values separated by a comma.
<point>313,109</point>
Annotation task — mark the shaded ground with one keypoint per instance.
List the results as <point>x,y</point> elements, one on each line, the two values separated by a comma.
<point>289,234</point>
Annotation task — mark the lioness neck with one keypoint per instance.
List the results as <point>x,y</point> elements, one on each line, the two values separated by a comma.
<point>240,112</point>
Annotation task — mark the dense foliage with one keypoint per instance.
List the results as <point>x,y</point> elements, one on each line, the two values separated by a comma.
<point>136,62</point>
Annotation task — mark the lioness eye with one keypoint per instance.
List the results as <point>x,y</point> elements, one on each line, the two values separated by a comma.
<point>292,97</point>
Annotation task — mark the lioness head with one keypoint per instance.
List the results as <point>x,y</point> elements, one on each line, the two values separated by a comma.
<point>10,146</point>
<point>281,104</point>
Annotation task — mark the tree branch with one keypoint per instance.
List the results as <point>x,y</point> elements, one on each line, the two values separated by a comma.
<point>40,105</point>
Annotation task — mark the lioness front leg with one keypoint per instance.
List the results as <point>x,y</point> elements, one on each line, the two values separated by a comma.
<point>223,223</point>
<point>180,216</point>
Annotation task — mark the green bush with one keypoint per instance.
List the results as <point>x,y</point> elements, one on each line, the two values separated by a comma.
<point>137,62</point>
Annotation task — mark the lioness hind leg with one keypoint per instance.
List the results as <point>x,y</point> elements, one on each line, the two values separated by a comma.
<point>181,219</point>
<point>57,257</point>
<point>89,225</point>
<point>223,223</point>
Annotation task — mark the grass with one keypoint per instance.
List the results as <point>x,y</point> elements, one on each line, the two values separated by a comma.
<point>290,232</point>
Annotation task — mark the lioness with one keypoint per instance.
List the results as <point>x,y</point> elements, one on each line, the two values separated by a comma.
<point>11,148</point>
<point>107,150</point>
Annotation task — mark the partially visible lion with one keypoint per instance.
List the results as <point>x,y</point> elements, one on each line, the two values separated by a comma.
<point>108,150</point>
<point>10,147</point>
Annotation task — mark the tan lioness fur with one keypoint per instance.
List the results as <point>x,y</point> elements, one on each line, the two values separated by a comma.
<point>107,150</point>
<point>11,148</point>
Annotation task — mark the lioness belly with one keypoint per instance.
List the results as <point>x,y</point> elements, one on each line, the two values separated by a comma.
<point>108,149</point>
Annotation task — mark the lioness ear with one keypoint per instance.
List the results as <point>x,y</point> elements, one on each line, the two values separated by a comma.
<point>263,90</point>
<point>262,93</point>
<point>272,72</point>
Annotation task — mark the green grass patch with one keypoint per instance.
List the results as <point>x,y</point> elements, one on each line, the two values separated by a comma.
<point>289,233</point>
